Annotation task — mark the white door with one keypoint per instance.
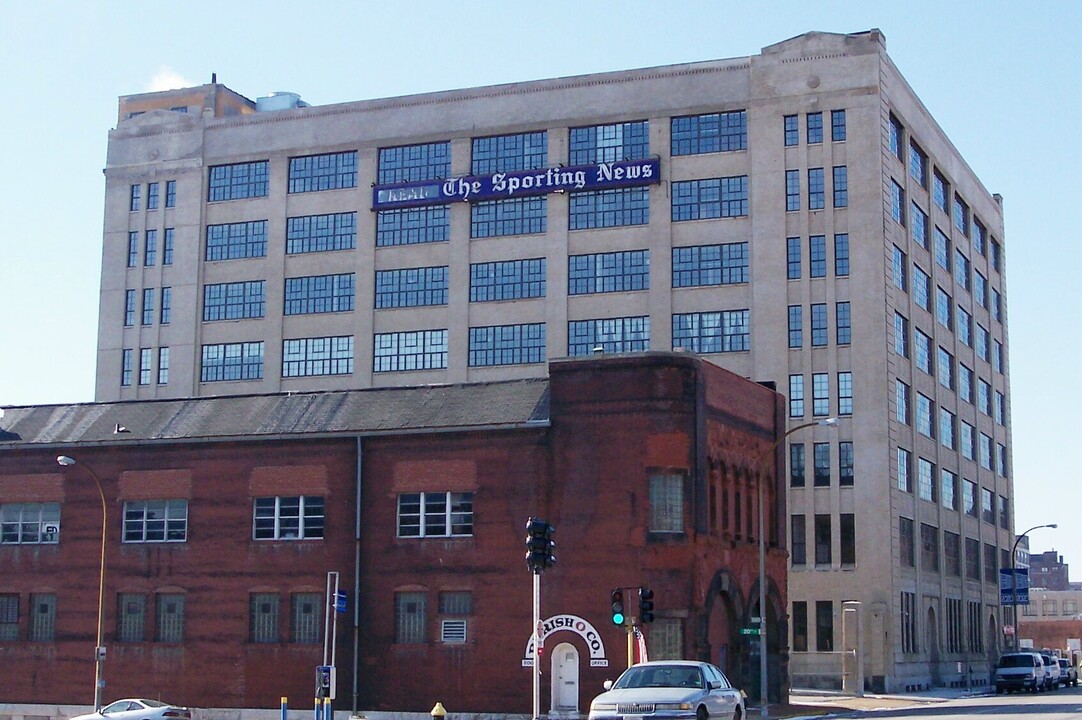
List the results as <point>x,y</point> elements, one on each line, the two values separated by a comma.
<point>565,678</point>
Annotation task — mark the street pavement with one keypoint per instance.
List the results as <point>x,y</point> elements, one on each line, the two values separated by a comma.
<point>809,704</point>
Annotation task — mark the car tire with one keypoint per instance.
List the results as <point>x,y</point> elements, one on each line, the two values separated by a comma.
<point>702,714</point>
<point>736,714</point>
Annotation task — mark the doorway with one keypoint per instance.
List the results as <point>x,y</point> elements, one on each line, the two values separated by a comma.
<point>565,679</point>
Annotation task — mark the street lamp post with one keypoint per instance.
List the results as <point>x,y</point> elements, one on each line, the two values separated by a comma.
<point>99,649</point>
<point>763,694</point>
<point>1014,578</point>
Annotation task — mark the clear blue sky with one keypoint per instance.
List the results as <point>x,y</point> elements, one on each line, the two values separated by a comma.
<point>1002,78</point>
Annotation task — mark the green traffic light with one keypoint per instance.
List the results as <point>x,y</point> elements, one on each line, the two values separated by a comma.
<point>617,619</point>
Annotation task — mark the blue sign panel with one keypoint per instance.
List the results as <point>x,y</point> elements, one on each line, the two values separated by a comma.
<point>520,183</point>
<point>1014,586</point>
<point>340,602</point>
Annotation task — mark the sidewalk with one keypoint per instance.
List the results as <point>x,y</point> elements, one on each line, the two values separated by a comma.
<point>820,704</point>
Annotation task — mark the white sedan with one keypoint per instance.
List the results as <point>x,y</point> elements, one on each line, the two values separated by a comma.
<point>669,689</point>
<point>138,709</point>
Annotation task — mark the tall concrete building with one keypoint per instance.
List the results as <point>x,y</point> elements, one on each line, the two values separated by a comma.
<point>796,216</point>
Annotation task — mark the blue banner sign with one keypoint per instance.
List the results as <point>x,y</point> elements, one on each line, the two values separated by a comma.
<point>519,183</point>
<point>1014,586</point>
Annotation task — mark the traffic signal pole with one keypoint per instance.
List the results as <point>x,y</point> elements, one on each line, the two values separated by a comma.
<point>536,645</point>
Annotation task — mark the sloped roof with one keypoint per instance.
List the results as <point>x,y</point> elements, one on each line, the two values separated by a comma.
<point>428,408</point>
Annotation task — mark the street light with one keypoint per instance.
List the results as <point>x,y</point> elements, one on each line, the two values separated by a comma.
<point>763,695</point>
<point>1014,579</point>
<point>99,649</point>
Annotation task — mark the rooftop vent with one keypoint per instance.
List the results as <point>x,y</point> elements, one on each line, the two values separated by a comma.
<point>279,101</point>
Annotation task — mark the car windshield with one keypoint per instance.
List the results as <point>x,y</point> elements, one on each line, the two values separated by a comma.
<point>661,676</point>
<point>1016,661</point>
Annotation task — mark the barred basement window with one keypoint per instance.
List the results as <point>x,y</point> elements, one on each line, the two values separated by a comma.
<point>43,617</point>
<point>666,503</point>
<point>410,617</point>
<point>305,622</point>
<point>170,618</point>
<point>667,639</point>
<point>131,617</point>
<point>263,618</point>
<point>9,617</point>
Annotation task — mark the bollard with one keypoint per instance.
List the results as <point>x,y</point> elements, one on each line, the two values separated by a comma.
<point>438,711</point>
<point>328,709</point>
<point>285,706</point>
<point>318,709</point>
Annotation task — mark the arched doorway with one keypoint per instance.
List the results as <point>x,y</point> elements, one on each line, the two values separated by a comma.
<point>718,639</point>
<point>932,632</point>
<point>564,666</point>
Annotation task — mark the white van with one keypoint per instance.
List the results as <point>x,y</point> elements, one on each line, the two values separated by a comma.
<point>1021,671</point>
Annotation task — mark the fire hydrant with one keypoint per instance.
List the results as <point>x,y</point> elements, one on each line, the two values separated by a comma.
<point>438,711</point>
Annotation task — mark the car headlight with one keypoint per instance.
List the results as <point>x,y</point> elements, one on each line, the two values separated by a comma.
<point>673,706</point>
<point>603,707</point>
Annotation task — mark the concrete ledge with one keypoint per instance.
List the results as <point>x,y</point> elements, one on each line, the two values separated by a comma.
<point>19,711</point>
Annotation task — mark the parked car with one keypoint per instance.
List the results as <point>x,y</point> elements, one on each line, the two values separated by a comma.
<point>138,709</point>
<point>1052,673</point>
<point>1021,671</point>
<point>1068,673</point>
<point>670,689</point>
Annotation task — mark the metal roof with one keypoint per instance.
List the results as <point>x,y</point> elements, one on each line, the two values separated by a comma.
<point>429,408</point>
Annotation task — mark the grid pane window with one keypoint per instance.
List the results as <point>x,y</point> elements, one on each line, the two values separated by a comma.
<point>821,458</point>
<point>796,396</point>
<point>238,181</point>
<point>969,498</point>
<point>413,226</point>
<point>133,249</point>
<point>155,521</point>
<point>319,294</point>
<point>816,189</point>
<point>232,361</point>
<point>841,254</point>
<point>901,402</point>
<point>940,190</point>
<point>150,248</point>
<point>967,440</point>
<point>148,306</point>
<point>847,535</point>
<point>135,198</point>
<point>609,143</point>
<point>711,332</point>
<point>666,503</point>
<point>710,133</point>
<point>42,617</point>
<point>792,258</point>
<point>897,202</point>
<point>796,326</point>
<point>926,487</point>
<point>129,308</point>
<point>609,208</point>
<point>845,393</point>
<point>507,345</point>
<point>944,305</point>
<point>612,335</point>
<point>837,125</point>
<point>435,514</point>
<point>410,617</point>
<point>817,255</point>
<point>411,287</point>
<point>923,351</point>
<point>844,320</point>
<point>841,186</point>
<point>332,171</point>
<point>815,128</point>
<point>9,617</point>
<point>961,216</point>
<point>823,554</point>
<point>710,198</point>
<point>942,249</point>
<point>929,548</point>
<point>790,126</point>
<point>845,463</point>
<point>125,367</point>
<point>508,153</point>
<point>820,394</point>
<point>508,280</point>
<point>824,626</point>
<point>233,301</point>
<point>948,486</point>
<point>516,216</point>
<point>925,414</point>
<point>299,517</point>
<point>963,326</point>
<point>237,240</point>
<point>961,270</point>
<point>169,618</point>
<point>918,165</point>
<point>919,231</point>
<point>796,464</point>
<point>705,265</point>
<point>163,366</point>
<point>167,246</point>
<point>792,190</point>
<point>305,617</point>
<point>608,272</point>
<point>309,357</point>
<point>905,541</point>
<point>407,163</point>
<point>905,465</point>
<point>263,618</point>
<point>819,324</point>
<point>899,269</point>
<point>170,193</point>
<point>29,523</point>
<point>411,350</point>
<point>166,313</point>
<point>321,233</point>
<point>980,236</point>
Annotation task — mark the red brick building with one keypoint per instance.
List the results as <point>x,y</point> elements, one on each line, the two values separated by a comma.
<point>226,514</point>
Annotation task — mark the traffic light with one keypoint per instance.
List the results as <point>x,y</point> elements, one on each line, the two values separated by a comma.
<point>646,605</point>
<point>618,616</point>
<point>539,545</point>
